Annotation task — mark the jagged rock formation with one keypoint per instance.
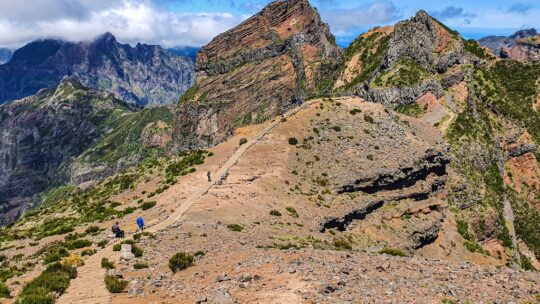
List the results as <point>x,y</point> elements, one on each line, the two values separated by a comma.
<point>264,66</point>
<point>144,74</point>
<point>523,45</point>
<point>5,55</point>
<point>399,64</point>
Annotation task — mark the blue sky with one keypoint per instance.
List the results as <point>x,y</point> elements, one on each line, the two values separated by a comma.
<point>196,22</point>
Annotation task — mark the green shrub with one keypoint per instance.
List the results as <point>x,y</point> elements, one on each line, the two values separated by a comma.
<point>148,205</point>
<point>275,213</point>
<point>138,236</point>
<point>137,251</point>
<point>114,284</point>
<point>342,244</point>
<point>242,141</point>
<point>102,243</point>
<point>293,141</point>
<point>292,211</point>
<point>393,251</point>
<point>369,119</point>
<point>76,244</point>
<point>55,256</point>
<point>180,261</point>
<point>4,291</point>
<point>370,157</point>
<point>105,263</point>
<point>92,230</point>
<point>54,279</point>
<point>336,128</point>
<point>235,227</point>
<point>355,111</point>
<point>140,265</point>
<point>88,252</point>
<point>117,247</point>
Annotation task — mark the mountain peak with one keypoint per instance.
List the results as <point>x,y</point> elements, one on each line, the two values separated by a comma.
<point>524,33</point>
<point>107,37</point>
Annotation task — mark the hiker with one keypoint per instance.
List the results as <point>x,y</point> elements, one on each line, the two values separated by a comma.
<point>208,175</point>
<point>119,233</point>
<point>140,223</point>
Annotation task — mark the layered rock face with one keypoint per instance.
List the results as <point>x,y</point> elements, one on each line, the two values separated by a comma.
<point>523,45</point>
<point>144,74</point>
<point>260,68</point>
<point>41,134</point>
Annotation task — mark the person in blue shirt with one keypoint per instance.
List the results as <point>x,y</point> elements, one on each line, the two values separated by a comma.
<point>140,223</point>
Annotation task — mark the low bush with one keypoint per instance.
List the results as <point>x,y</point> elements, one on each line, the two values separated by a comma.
<point>369,119</point>
<point>114,284</point>
<point>140,265</point>
<point>102,243</point>
<point>76,244</point>
<point>393,251</point>
<point>242,141</point>
<point>54,279</point>
<point>88,252</point>
<point>342,244</point>
<point>235,227</point>
<point>148,205</point>
<point>293,141</point>
<point>180,261</point>
<point>93,230</point>
<point>73,260</point>
<point>105,263</point>
<point>275,213</point>
<point>292,211</point>
<point>4,291</point>
<point>117,247</point>
<point>137,251</point>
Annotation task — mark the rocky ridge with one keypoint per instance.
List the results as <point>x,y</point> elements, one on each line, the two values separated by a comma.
<point>144,74</point>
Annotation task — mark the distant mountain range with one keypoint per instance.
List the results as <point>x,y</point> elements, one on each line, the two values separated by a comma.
<point>144,74</point>
<point>186,51</point>
<point>523,45</point>
<point>5,55</point>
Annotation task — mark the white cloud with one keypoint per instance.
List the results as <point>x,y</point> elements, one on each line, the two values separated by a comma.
<point>497,19</point>
<point>376,13</point>
<point>129,20</point>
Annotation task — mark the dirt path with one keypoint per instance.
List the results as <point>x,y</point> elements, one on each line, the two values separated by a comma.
<point>89,288</point>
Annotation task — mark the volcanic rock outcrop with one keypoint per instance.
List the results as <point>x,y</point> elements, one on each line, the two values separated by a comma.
<point>266,65</point>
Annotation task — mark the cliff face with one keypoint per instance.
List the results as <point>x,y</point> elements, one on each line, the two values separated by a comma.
<point>262,67</point>
<point>144,74</point>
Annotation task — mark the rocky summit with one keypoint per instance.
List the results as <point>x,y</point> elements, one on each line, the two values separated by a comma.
<point>144,74</point>
<point>264,66</point>
<point>402,169</point>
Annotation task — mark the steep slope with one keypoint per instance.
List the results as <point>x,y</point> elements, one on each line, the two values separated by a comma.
<point>523,45</point>
<point>144,74</point>
<point>5,55</point>
<point>44,136</point>
<point>267,64</point>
